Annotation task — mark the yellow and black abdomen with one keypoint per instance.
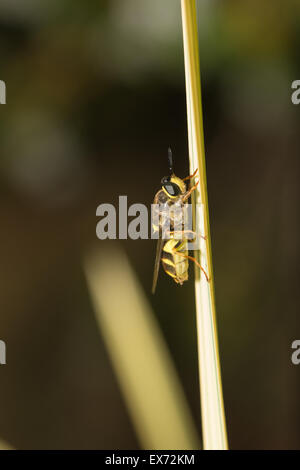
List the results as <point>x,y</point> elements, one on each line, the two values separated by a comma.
<point>174,263</point>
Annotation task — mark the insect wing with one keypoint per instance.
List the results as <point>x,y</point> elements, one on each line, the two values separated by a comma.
<point>157,263</point>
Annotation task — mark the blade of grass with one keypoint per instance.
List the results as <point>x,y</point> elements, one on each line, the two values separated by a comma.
<point>212,407</point>
<point>139,355</point>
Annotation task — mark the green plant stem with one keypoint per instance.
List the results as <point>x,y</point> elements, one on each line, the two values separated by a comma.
<point>212,407</point>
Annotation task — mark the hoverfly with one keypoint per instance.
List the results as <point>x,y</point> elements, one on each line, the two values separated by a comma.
<point>170,202</point>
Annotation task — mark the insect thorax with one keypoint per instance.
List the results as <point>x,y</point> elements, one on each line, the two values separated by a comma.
<point>169,214</point>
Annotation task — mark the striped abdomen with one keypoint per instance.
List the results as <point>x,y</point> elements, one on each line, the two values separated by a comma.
<point>174,264</point>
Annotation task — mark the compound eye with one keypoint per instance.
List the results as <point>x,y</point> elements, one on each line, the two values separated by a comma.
<point>172,189</point>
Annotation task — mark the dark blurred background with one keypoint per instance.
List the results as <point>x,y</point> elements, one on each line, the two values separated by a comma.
<point>95,94</point>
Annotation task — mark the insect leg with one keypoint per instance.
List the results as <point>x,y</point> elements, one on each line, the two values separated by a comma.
<point>191,176</point>
<point>187,195</point>
<point>192,259</point>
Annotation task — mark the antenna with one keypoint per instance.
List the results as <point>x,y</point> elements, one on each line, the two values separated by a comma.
<point>170,160</point>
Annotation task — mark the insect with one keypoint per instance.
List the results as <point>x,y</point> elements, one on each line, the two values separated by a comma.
<point>170,211</point>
